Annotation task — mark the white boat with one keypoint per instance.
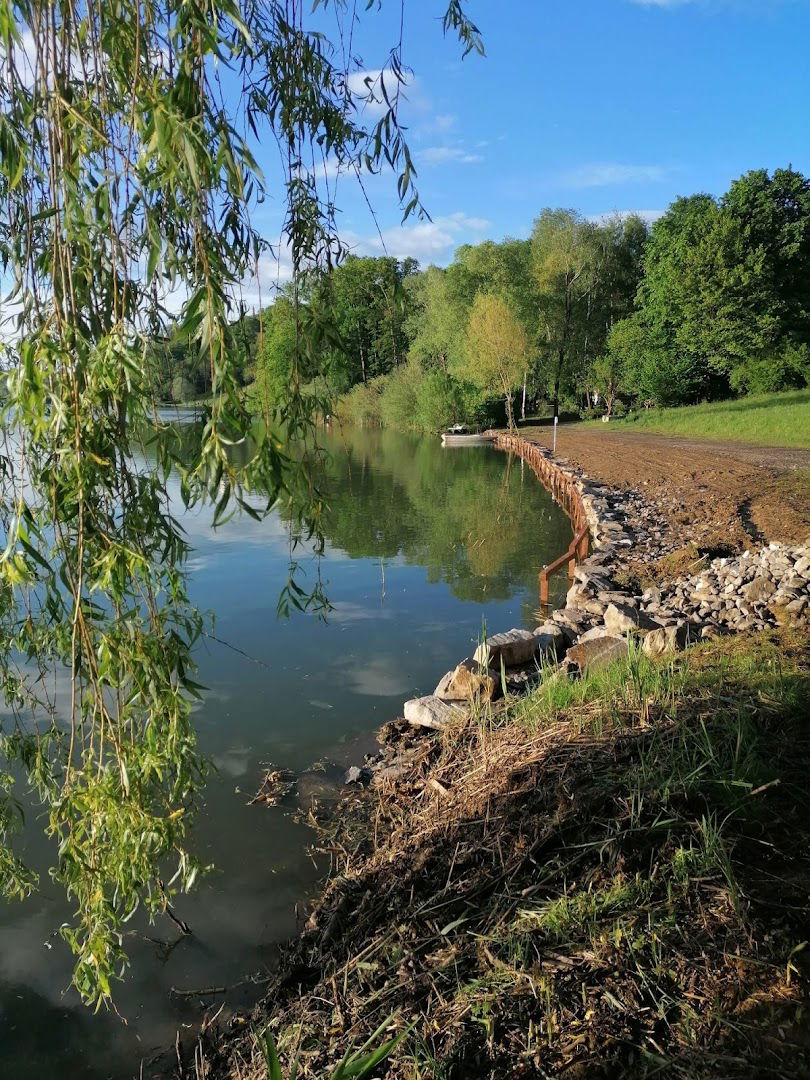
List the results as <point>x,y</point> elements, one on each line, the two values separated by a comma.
<point>450,438</point>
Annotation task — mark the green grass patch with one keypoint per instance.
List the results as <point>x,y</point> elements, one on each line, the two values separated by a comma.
<point>624,694</point>
<point>762,419</point>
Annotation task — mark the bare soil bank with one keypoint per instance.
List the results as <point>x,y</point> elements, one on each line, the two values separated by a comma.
<point>713,494</point>
<point>609,880</point>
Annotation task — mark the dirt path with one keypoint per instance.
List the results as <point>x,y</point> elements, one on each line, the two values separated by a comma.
<point>769,457</point>
<point>714,494</point>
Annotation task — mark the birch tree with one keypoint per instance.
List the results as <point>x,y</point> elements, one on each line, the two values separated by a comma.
<point>497,349</point>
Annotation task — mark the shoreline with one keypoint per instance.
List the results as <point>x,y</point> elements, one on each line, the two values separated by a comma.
<point>605,620</point>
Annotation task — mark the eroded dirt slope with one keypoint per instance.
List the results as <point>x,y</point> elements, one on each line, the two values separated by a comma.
<point>714,493</point>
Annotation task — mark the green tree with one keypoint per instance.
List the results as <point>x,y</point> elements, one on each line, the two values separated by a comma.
<point>398,406</point>
<point>788,369</point>
<point>725,291</point>
<point>679,288</point>
<point>497,349</point>
<point>504,269</point>
<point>771,214</point>
<point>436,317</point>
<point>366,305</point>
<point>619,246</point>
<point>564,265</point>
<point>276,357</point>
<point>182,388</point>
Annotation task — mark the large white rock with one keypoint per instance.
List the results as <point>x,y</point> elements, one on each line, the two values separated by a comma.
<point>511,648</point>
<point>430,712</point>
<point>578,595</point>
<point>621,619</point>
<point>668,639</point>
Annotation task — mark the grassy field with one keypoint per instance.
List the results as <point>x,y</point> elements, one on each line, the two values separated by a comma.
<point>764,419</point>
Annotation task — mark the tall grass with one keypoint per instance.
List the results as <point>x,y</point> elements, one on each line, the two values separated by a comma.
<point>362,405</point>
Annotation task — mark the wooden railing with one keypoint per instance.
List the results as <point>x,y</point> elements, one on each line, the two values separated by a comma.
<point>576,553</point>
<point>565,492</point>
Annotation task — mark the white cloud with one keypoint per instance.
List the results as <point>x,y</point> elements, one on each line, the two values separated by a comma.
<point>330,169</point>
<point>366,87</point>
<point>427,241</point>
<point>603,175</point>
<point>25,60</point>
<point>444,121</point>
<point>443,155</point>
<point>274,270</point>
<point>82,63</point>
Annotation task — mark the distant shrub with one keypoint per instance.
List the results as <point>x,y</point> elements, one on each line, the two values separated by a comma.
<point>362,405</point>
<point>182,389</point>
<point>443,400</point>
<point>410,398</point>
<point>789,370</point>
<point>399,401</point>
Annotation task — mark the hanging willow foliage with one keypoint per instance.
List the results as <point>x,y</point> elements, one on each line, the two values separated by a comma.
<point>127,182</point>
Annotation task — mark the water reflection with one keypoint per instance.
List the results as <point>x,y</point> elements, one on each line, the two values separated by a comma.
<point>421,544</point>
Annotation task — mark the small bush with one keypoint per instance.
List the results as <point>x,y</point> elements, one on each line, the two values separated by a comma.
<point>399,401</point>
<point>182,389</point>
<point>790,370</point>
<point>362,405</point>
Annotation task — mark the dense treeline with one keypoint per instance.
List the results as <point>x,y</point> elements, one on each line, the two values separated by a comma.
<point>712,300</point>
<point>178,373</point>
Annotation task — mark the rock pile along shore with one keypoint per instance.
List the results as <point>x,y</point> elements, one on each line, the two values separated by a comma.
<point>748,592</point>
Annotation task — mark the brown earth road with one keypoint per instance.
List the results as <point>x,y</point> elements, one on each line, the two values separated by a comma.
<point>713,494</point>
<point>768,457</point>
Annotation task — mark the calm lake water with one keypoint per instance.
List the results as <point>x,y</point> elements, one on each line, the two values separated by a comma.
<point>423,544</point>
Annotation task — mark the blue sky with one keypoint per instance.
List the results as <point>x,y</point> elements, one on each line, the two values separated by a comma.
<point>601,105</point>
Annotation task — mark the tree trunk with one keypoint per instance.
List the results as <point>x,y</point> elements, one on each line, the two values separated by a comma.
<point>523,403</point>
<point>610,399</point>
<point>557,379</point>
<point>566,333</point>
<point>510,416</point>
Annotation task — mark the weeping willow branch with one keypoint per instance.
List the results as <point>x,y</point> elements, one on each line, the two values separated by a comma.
<point>127,182</point>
